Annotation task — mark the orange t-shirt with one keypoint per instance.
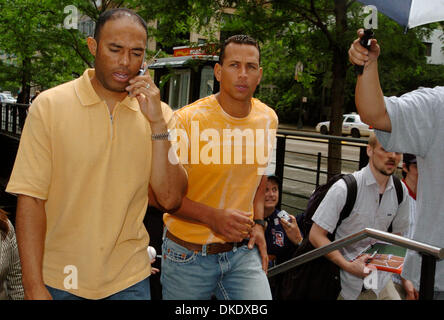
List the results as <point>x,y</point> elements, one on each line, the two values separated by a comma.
<point>225,158</point>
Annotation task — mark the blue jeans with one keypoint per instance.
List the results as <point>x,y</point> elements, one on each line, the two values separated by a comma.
<point>190,275</point>
<point>138,291</point>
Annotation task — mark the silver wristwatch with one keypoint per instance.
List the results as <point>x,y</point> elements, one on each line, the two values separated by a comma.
<point>161,136</point>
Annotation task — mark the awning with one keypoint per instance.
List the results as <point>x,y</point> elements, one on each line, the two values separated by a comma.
<point>176,62</point>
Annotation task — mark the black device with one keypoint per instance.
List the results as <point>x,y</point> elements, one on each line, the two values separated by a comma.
<point>365,42</point>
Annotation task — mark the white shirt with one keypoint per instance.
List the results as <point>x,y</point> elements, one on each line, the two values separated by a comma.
<point>409,233</point>
<point>368,212</point>
<point>417,119</point>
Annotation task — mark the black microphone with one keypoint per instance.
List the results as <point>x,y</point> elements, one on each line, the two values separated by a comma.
<point>365,42</point>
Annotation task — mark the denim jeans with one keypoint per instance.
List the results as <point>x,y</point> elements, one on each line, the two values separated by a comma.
<point>138,291</point>
<point>190,275</point>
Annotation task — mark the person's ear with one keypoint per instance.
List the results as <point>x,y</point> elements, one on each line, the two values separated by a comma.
<point>260,77</point>
<point>92,45</point>
<point>217,71</point>
<point>369,151</point>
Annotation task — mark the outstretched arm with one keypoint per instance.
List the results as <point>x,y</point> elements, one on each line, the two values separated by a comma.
<point>369,98</point>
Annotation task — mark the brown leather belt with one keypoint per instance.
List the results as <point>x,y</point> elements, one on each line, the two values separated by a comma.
<point>212,248</point>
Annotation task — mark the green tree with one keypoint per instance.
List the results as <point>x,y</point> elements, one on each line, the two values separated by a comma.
<point>319,33</point>
<point>32,35</point>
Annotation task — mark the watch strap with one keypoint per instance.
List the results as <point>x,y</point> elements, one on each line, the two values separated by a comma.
<point>261,222</point>
<point>161,136</point>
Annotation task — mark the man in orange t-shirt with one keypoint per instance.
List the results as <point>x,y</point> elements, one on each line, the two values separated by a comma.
<point>215,244</point>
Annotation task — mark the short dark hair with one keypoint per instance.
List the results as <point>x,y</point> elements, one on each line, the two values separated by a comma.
<point>239,39</point>
<point>273,178</point>
<point>407,159</point>
<point>115,14</point>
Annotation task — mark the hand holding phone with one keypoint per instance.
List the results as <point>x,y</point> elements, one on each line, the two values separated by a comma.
<point>365,41</point>
<point>284,215</point>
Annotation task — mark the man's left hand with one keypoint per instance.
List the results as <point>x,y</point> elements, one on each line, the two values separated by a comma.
<point>257,237</point>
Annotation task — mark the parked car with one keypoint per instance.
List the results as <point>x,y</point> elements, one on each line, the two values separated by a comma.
<point>7,97</point>
<point>351,125</point>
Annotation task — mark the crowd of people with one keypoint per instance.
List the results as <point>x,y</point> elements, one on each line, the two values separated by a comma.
<point>96,151</point>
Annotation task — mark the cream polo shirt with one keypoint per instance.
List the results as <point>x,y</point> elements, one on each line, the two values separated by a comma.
<point>225,158</point>
<point>93,170</point>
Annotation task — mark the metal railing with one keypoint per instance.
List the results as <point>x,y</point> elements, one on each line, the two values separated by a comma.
<point>283,151</point>
<point>429,254</point>
<point>12,118</point>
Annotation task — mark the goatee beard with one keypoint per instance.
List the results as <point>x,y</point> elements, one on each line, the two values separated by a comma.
<point>385,173</point>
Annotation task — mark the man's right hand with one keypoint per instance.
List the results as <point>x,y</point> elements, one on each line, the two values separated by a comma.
<point>38,293</point>
<point>234,225</point>
<point>359,55</point>
<point>358,267</point>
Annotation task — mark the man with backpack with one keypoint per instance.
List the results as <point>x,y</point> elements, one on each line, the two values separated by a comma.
<point>379,204</point>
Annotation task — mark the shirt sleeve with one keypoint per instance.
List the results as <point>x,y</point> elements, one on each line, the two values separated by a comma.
<point>31,174</point>
<point>401,221</point>
<point>327,214</point>
<point>413,119</point>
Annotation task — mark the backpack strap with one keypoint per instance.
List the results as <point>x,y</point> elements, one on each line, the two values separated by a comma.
<point>399,193</point>
<point>398,187</point>
<point>352,191</point>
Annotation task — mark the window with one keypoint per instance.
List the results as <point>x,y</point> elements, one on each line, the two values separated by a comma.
<point>206,82</point>
<point>428,51</point>
<point>179,89</point>
<point>350,119</point>
<point>87,27</point>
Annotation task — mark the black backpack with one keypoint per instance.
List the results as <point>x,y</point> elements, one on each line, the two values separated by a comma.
<point>318,279</point>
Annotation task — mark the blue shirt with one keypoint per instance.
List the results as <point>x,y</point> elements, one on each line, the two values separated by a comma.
<point>278,243</point>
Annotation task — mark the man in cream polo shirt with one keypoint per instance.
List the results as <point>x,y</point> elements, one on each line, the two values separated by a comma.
<point>89,155</point>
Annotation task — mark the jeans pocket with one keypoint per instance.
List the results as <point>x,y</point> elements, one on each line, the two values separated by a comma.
<point>176,253</point>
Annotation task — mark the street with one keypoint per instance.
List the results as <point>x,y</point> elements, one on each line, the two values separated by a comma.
<point>301,165</point>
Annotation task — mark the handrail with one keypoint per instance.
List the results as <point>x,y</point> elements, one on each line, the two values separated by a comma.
<point>284,132</point>
<point>430,255</point>
<point>365,233</point>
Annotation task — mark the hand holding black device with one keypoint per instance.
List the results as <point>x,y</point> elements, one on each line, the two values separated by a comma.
<point>365,42</point>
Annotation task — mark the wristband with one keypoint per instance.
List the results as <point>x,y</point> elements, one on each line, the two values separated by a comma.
<point>261,222</point>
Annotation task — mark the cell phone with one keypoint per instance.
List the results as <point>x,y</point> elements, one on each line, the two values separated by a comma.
<point>284,215</point>
<point>142,70</point>
<point>365,42</point>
